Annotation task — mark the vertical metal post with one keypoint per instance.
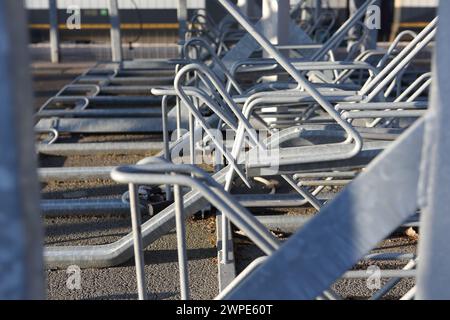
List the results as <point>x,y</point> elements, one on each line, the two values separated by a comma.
<point>137,240</point>
<point>178,108</point>
<point>54,31</point>
<point>166,140</point>
<point>182,14</point>
<point>397,19</point>
<point>116,38</point>
<point>21,265</point>
<point>317,9</point>
<point>181,243</point>
<point>434,264</point>
<point>305,14</point>
<point>244,6</point>
<point>371,41</point>
<point>276,18</point>
<point>249,8</point>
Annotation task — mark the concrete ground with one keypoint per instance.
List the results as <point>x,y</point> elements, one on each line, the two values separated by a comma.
<point>161,257</point>
<point>119,282</point>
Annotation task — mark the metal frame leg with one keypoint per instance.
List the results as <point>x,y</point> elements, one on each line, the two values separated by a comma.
<point>21,265</point>
<point>181,243</point>
<point>137,240</point>
<point>54,31</point>
<point>116,38</point>
<point>182,15</point>
<point>434,263</point>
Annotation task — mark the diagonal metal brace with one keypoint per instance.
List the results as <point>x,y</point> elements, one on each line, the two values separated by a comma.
<point>364,214</point>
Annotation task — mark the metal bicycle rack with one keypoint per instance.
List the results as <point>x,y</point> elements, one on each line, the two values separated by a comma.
<point>349,136</point>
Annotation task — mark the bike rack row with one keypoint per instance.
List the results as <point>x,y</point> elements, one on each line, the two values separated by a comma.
<point>347,133</point>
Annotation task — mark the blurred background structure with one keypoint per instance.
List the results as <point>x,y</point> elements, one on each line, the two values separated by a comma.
<point>150,27</point>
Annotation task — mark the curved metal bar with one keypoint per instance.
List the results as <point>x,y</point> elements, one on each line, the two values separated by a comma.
<point>394,45</point>
<point>339,35</point>
<point>231,104</point>
<point>50,131</point>
<point>220,64</point>
<point>185,98</point>
<point>72,86</point>
<point>213,80</point>
<point>203,97</point>
<point>258,101</point>
<point>272,65</point>
<point>401,60</point>
<point>84,102</point>
<point>296,75</point>
<point>413,89</point>
<point>181,175</point>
